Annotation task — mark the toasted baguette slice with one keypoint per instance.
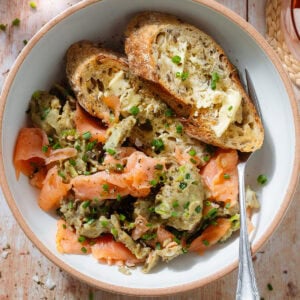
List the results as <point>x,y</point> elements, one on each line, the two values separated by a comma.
<point>195,78</point>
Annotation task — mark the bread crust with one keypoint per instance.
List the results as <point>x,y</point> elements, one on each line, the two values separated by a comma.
<point>141,33</point>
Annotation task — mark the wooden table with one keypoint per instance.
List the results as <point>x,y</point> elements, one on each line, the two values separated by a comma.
<point>24,271</point>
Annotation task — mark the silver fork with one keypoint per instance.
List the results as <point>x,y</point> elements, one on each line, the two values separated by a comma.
<point>246,284</point>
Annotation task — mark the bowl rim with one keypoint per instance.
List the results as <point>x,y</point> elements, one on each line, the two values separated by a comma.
<point>250,30</point>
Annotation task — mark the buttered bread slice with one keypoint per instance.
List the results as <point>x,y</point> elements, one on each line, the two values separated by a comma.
<point>195,78</point>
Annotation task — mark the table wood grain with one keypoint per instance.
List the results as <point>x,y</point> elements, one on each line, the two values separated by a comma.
<point>26,274</point>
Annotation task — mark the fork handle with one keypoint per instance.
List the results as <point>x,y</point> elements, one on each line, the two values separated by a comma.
<point>246,285</point>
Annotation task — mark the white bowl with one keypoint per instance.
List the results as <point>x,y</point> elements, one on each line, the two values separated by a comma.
<point>41,63</point>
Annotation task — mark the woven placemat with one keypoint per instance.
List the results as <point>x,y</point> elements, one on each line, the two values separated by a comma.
<point>276,40</point>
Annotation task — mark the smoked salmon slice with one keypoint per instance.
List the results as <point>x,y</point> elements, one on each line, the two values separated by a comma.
<point>221,177</point>
<point>28,154</point>
<point>107,250</point>
<point>134,180</point>
<point>60,154</point>
<point>53,190</point>
<point>113,102</point>
<point>84,123</point>
<point>211,235</point>
<point>67,240</point>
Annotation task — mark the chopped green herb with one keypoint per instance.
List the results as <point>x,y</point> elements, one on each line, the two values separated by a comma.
<point>84,250</point>
<point>3,27</point>
<point>175,204</point>
<point>91,221</point>
<point>134,110</point>
<point>262,179</point>
<point>114,232</point>
<point>178,74</point>
<point>179,128</point>
<point>149,236</point>
<point>64,226</point>
<point>182,185</point>
<point>32,4</point>
<point>169,112</point>
<point>45,113</point>
<point>16,22</point>
<point>90,146</point>
<point>81,239</point>
<point>177,240</point>
<point>176,59</point>
<point>192,152</point>
<point>184,76</point>
<point>61,174</point>
<point>151,209</point>
<point>227,205</point>
<point>174,214</point>
<point>87,135</point>
<point>226,176</point>
<point>270,287</point>
<point>193,161</point>
<point>205,242</point>
<point>153,182</point>
<point>214,79</point>
<point>36,95</point>
<point>119,167</point>
<point>45,148</point>
<point>86,204</point>
<point>211,213</point>
<point>25,42</point>
<point>119,198</point>
<point>184,250</point>
<point>186,205</point>
<point>104,223</point>
<point>84,157</point>
<point>111,151</point>
<point>122,217</point>
<point>230,107</point>
<point>187,176</point>
<point>157,246</point>
<point>56,146</point>
<point>159,167</point>
<point>71,205</point>
<point>158,145</point>
<point>77,147</point>
<point>207,203</point>
<point>72,162</point>
<point>206,158</point>
<point>198,209</point>
<point>105,187</point>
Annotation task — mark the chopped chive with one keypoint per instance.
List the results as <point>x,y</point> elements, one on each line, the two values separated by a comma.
<point>184,76</point>
<point>84,157</point>
<point>45,148</point>
<point>186,205</point>
<point>153,182</point>
<point>175,204</point>
<point>81,239</point>
<point>104,223</point>
<point>87,135</point>
<point>90,146</point>
<point>149,225</point>
<point>86,204</point>
<point>16,22</point>
<point>262,179</point>
<point>158,145</point>
<point>32,4</point>
<point>111,151</point>
<point>182,185</point>
<point>226,176</point>
<point>45,113</point>
<point>207,203</point>
<point>179,128</point>
<point>193,161</point>
<point>187,176</point>
<point>119,167</point>
<point>3,27</point>
<point>119,198</point>
<point>176,59</point>
<point>149,236</point>
<point>71,205</point>
<point>159,167</point>
<point>230,107</point>
<point>72,162</point>
<point>25,42</point>
<point>114,232</point>
<point>84,250</point>
<point>198,209</point>
<point>205,242</point>
<point>178,74</point>
<point>151,209</point>
<point>91,221</point>
<point>214,79</point>
<point>227,205</point>
<point>177,240</point>
<point>184,250</point>
<point>169,112</point>
<point>36,95</point>
<point>86,173</point>
<point>105,187</point>
<point>157,246</point>
<point>206,158</point>
<point>192,152</point>
<point>211,213</point>
<point>64,226</point>
<point>61,174</point>
<point>270,287</point>
<point>134,110</point>
<point>122,217</point>
<point>174,214</point>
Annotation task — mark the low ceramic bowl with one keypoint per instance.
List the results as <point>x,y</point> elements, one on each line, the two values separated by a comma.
<point>41,63</point>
